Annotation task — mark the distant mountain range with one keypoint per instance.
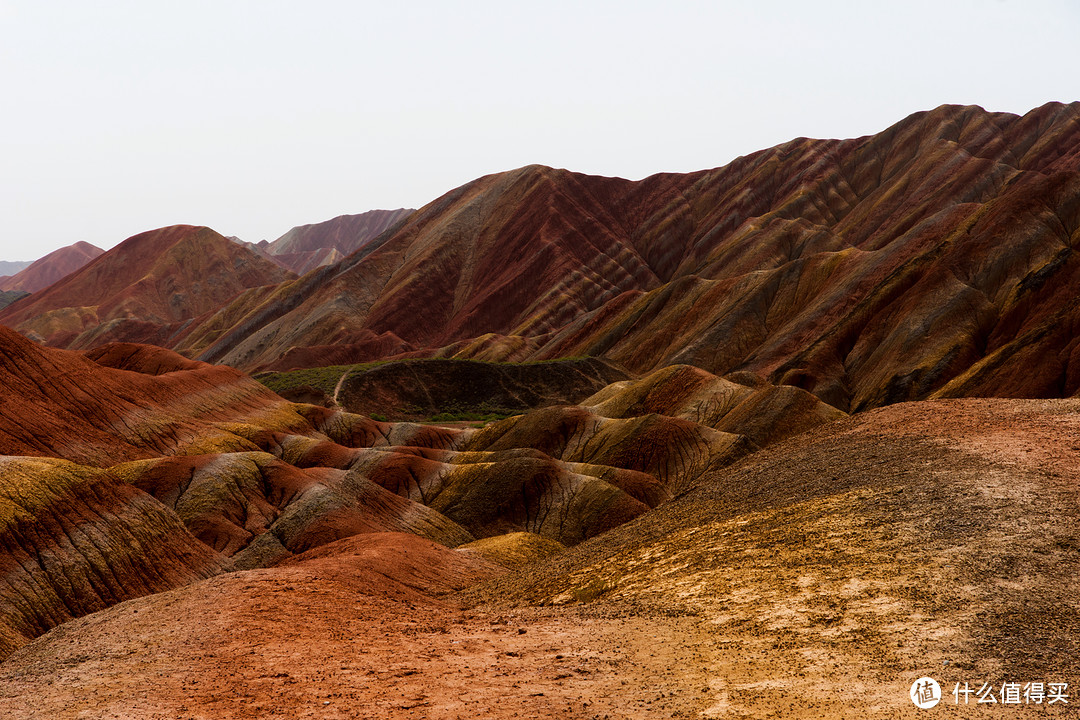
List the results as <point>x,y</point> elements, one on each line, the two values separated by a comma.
<point>307,247</point>
<point>932,259</point>
<point>9,268</point>
<point>146,289</point>
<point>43,272</point>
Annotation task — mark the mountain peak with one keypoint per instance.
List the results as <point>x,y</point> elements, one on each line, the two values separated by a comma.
<point>149,281</point>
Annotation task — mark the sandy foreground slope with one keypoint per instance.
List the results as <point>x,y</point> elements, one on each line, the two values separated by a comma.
<point>815,579</point>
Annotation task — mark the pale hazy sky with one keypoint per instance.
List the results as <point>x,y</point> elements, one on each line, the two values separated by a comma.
<point>252,116</point>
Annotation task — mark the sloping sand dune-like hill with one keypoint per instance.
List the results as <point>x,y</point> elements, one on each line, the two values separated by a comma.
<point>867,271</point>
<point>764,413</point>
<point>146,289</point>
<point>43,272</point>
<point>673,451</point>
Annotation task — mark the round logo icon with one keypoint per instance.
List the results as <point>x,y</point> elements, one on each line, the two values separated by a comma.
<point>925,693</point>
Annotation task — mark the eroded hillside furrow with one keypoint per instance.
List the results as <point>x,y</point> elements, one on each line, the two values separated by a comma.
<point>77,542</point>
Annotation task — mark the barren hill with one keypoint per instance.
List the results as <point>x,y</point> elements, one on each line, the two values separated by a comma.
<point>144,289</point>
<point>58,264</point>
<point>705,532</point>
<point>815,579</point>
<point>306,247</point>
<point>216,473</point>
<point>932,256</point>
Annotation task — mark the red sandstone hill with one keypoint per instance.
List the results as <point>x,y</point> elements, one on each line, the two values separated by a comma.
<point>58,264</point>
<point>814,580</point>
<point>62,404</point>
<point>129,469</point>
<point>309,246</point>
<point>144,290</point>
<point>934,257</point>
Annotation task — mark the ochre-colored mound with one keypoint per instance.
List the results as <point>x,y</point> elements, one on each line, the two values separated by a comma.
<point>675,452</point>
<point>924,539</point>
<point>513,550</point>
<point>764,413</point>
<point>75,540</point>
<point>401,566</point>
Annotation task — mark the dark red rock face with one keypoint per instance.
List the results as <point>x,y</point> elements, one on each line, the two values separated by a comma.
<point>930,258</point>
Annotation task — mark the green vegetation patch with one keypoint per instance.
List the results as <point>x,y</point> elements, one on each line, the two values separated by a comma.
<point>441,390</point>
<point>321,378</point>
